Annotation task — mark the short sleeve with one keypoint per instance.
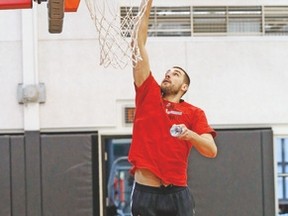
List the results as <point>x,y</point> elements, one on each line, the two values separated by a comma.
<point>201,125</point>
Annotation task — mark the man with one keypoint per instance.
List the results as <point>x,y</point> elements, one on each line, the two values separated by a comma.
<point>160,160</point>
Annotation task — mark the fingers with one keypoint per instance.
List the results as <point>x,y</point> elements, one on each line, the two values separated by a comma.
<point>185,132</point>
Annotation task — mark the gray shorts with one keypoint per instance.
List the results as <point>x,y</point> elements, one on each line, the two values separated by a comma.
<point>162,201</point>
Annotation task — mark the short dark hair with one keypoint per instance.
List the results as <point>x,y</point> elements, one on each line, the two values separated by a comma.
<point>187,78</point>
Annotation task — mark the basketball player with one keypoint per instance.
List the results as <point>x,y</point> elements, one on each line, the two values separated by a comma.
<point>159,160</point>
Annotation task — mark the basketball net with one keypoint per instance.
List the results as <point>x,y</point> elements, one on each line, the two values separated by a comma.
<point>116,30</point>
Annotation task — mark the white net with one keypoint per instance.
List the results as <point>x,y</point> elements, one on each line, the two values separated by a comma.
<point>115,24</point>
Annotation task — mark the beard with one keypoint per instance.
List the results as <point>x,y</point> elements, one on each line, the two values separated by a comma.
<point>169,90</point>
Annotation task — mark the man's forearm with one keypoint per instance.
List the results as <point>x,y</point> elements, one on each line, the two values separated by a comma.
<point>141,69</point>
<point>144,22</point>
<point>204,144</point>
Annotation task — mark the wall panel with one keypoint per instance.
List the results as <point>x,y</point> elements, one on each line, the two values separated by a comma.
<point>240,180</point>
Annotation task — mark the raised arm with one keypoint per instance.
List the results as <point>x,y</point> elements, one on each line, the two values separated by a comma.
<point>142,68</point>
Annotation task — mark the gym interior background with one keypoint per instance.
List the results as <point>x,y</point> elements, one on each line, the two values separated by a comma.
<point>66,121</point>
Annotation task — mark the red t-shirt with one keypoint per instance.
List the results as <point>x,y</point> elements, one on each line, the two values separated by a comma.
<point>152,145</point>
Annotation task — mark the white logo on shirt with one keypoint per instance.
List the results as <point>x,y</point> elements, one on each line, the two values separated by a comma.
<point>173,112</point>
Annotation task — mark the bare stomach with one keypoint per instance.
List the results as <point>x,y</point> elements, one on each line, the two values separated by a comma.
<point>146,177</point>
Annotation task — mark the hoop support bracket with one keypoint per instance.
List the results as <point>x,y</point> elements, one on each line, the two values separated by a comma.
<point>31,93</point>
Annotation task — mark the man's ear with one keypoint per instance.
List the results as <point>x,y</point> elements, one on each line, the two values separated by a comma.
<point>184,87</point>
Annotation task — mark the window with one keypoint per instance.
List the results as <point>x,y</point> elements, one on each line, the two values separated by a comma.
<point>119,182</point>
<point>244,20</point>
<point>209,20</point>
<point>164,21</point>
<point>189,21</point>
<point>170,21</point>
<point>227,20</point>
<point>282,174</point>
<point>276,20</point>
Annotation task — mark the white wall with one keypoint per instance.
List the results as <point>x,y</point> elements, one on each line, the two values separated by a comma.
<point>236,80</point>
<point>10,69</point>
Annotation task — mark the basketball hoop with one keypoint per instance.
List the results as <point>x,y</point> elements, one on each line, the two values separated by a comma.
<point>15,4</point>
<point>115,26</point>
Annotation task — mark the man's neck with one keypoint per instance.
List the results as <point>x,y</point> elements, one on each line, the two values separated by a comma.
<point>172,98</point>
